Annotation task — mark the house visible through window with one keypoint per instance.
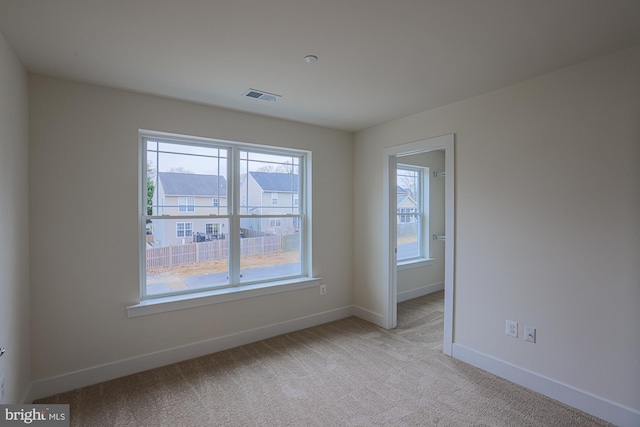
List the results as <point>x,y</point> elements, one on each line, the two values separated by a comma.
<point>406,218</point>
<point>412,203</point>
<point>188,181</point>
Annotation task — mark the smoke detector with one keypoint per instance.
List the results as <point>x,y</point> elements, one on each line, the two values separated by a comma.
<point>262,95</point>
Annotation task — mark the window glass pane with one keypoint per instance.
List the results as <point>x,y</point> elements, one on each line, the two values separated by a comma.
<point>185,179</point>
<point>409,199</point>
<point>269,248</point>
<point>186,255</point>
<point>408,236</point>
<point>270,184</point>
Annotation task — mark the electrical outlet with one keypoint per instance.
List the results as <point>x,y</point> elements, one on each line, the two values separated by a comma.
<point>323,289</point>
<point>530,334</point>
<point>511,328</point>
<point>1,388</point>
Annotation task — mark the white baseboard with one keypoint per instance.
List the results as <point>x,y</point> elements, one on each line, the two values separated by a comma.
<point>369,316</point>
<point>26,394</point>
<point>597,406</point>
<point>96,374</point>
<point>419,292</point>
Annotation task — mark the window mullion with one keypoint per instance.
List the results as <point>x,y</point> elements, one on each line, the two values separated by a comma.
<point>303,205</point>
<point>420,209</point>
<point>233,161</point>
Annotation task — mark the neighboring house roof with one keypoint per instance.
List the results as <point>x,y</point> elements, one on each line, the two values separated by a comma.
<point>402,198</point>
<point>280,182</point>
<point>189,184</point>
<point>402,194</point>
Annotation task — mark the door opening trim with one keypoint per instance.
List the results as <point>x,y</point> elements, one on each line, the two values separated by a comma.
<point>390,272</point>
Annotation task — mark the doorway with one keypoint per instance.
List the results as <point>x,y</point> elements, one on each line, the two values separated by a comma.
<point>393,156</point>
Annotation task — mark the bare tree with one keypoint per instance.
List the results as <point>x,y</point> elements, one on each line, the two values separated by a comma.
<point>277,168</point>
<point>408,183</point>
<point>180,169</point>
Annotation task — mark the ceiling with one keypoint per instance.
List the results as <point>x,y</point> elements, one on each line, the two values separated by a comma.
<point>378,59</point>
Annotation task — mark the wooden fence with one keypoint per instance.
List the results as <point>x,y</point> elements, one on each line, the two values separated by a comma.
<point>407,229</point>
<point>192,253</point>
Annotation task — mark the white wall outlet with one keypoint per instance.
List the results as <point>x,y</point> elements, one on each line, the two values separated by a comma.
<point>530,334</point>
<point>1,388</point>
<point>511,328</point>
<point>323,289</point>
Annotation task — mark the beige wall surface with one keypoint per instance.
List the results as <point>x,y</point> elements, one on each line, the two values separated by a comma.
<point>84,224</point>
<point>547,221</point>
<point>14,217</point>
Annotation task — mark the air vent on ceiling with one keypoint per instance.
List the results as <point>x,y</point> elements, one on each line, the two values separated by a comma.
<point>261,95</point>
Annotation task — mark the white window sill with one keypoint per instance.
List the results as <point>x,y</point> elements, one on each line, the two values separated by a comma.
<point>415,263</point>
<point>199,299</point>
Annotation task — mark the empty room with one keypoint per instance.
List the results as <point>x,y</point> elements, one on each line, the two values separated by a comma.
<point>356,212</point>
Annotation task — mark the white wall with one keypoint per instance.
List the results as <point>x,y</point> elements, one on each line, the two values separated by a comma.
<point>84,232</point>
<point>413,282</point>
<point>547,221</point>
<point>14,215</point>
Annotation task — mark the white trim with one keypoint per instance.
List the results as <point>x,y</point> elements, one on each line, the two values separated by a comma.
<point>419,292</point>
<point>233,191</point>
<point>416,263</point>
<point>96,374</point>
<point>199,299</point>
<point>390,276</point>
<point>390,250</point>
<point>572,396</point>
<point>26,394</point>
<point>449,229</point>
<point>369,316</point>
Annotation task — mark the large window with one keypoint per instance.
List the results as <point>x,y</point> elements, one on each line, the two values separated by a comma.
<point>192,244</point>
<point>412,205</point>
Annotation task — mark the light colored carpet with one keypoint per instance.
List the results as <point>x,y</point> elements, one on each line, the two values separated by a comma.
<point>344,373</point>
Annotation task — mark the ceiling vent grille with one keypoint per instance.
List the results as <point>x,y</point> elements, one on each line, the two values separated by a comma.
<point>261,95</point>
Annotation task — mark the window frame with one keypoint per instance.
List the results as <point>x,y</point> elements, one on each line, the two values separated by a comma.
<point>404,215</point>
<point>186,206</point>
<point>149,304</point>
<point>184,229</point>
